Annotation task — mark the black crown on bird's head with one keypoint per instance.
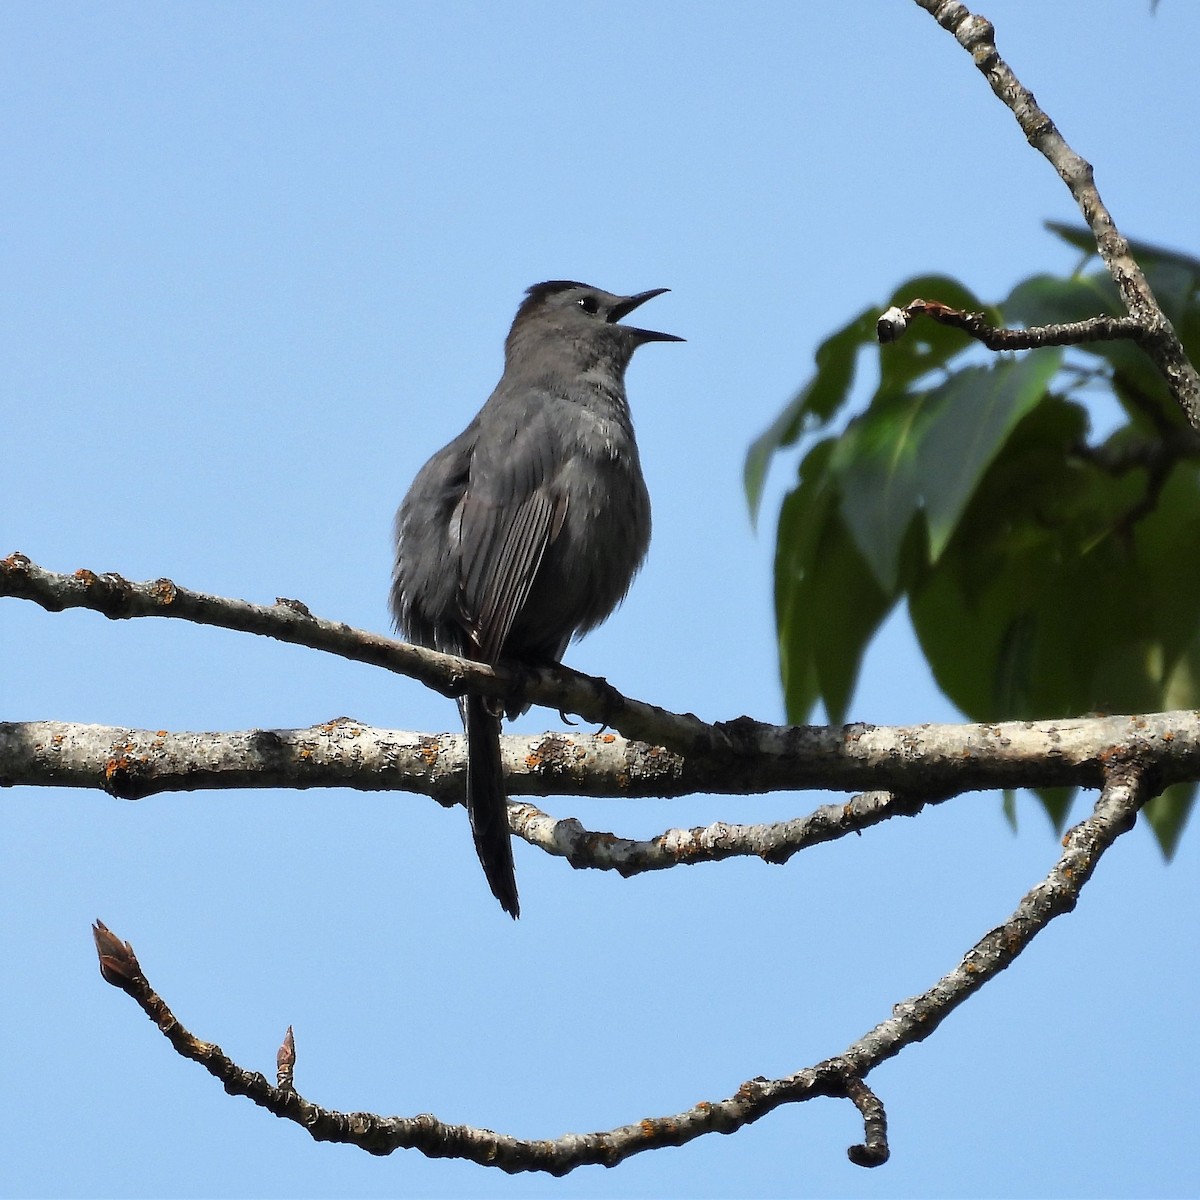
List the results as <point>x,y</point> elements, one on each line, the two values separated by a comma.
<point>574,309</point>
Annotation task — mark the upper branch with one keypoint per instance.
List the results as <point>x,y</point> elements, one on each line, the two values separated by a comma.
<point>1155,333</point>
<point>290,621</point>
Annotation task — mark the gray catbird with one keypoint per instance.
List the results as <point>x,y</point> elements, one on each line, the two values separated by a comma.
<point>528,528</point>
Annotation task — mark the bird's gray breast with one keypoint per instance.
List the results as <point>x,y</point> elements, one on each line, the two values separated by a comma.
<point>604,535</point>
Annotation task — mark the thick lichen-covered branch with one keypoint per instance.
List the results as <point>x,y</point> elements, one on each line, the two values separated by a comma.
<point>923,761</point>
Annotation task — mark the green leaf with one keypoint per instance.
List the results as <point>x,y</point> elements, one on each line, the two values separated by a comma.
<point>846,606</point>
<point>1164,577</point>
<point>927,452</point>
<point>813,405</point>
<point>1046,601</point>
<point>875,464</point>
<point>970,417</point>
<point>1146,253</point>
<point>828,604</point>
<point>1049,300</point>
<point>1008,806</point>
<point>1057,803</point>
<point>802,520</point>
<point>1168,813</point>
<point>973,611</point>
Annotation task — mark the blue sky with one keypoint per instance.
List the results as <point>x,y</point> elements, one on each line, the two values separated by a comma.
<point>260,260</point>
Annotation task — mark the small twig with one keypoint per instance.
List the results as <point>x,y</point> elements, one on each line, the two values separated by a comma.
<point>895,321</point>
<point>285,1060</point>
<point>912,1021</point>
<point>873,1152</point>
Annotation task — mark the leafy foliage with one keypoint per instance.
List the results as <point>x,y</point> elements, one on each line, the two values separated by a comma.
<point>1048,571</point>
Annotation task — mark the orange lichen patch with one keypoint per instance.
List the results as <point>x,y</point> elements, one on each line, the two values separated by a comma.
<point>164,591</point>
<point>116,766</point>
<point>85,576</point>
<point>306,753</point>
<point>608,738</point>
<point>16,560</point>
<point>533,760</point>
<point>651,1128</point>
<point>1169,736</point>
<point>691,848</point>
<point>430,751</point>
<point>344,725</point>
<point>161,733</point>
<point>57,739</point>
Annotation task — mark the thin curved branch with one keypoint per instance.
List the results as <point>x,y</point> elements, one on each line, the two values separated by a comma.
<point>1155,333</point>
<point>1124,792</point>
<point>773,842</point>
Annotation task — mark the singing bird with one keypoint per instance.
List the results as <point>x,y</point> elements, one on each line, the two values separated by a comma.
<point>528,528</point>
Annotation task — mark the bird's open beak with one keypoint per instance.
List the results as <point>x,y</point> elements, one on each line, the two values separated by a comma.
<point>629,304</point>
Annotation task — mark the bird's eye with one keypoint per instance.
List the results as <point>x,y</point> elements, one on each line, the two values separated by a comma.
<point>588,304</point>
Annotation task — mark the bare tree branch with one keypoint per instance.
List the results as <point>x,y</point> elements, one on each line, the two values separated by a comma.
<point>773,842</point>
<point>912,1021</point>
<point>893,323</point>
<point>290,621</point>
<point>1153,332</point>
<point>925,761</point>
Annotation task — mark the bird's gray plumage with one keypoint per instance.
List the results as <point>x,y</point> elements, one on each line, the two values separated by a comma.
<point>528,528</point>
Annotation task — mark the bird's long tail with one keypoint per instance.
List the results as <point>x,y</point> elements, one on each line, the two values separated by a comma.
<point>487,804</point>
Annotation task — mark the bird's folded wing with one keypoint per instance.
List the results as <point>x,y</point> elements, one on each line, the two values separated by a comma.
<point>510,513</point>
